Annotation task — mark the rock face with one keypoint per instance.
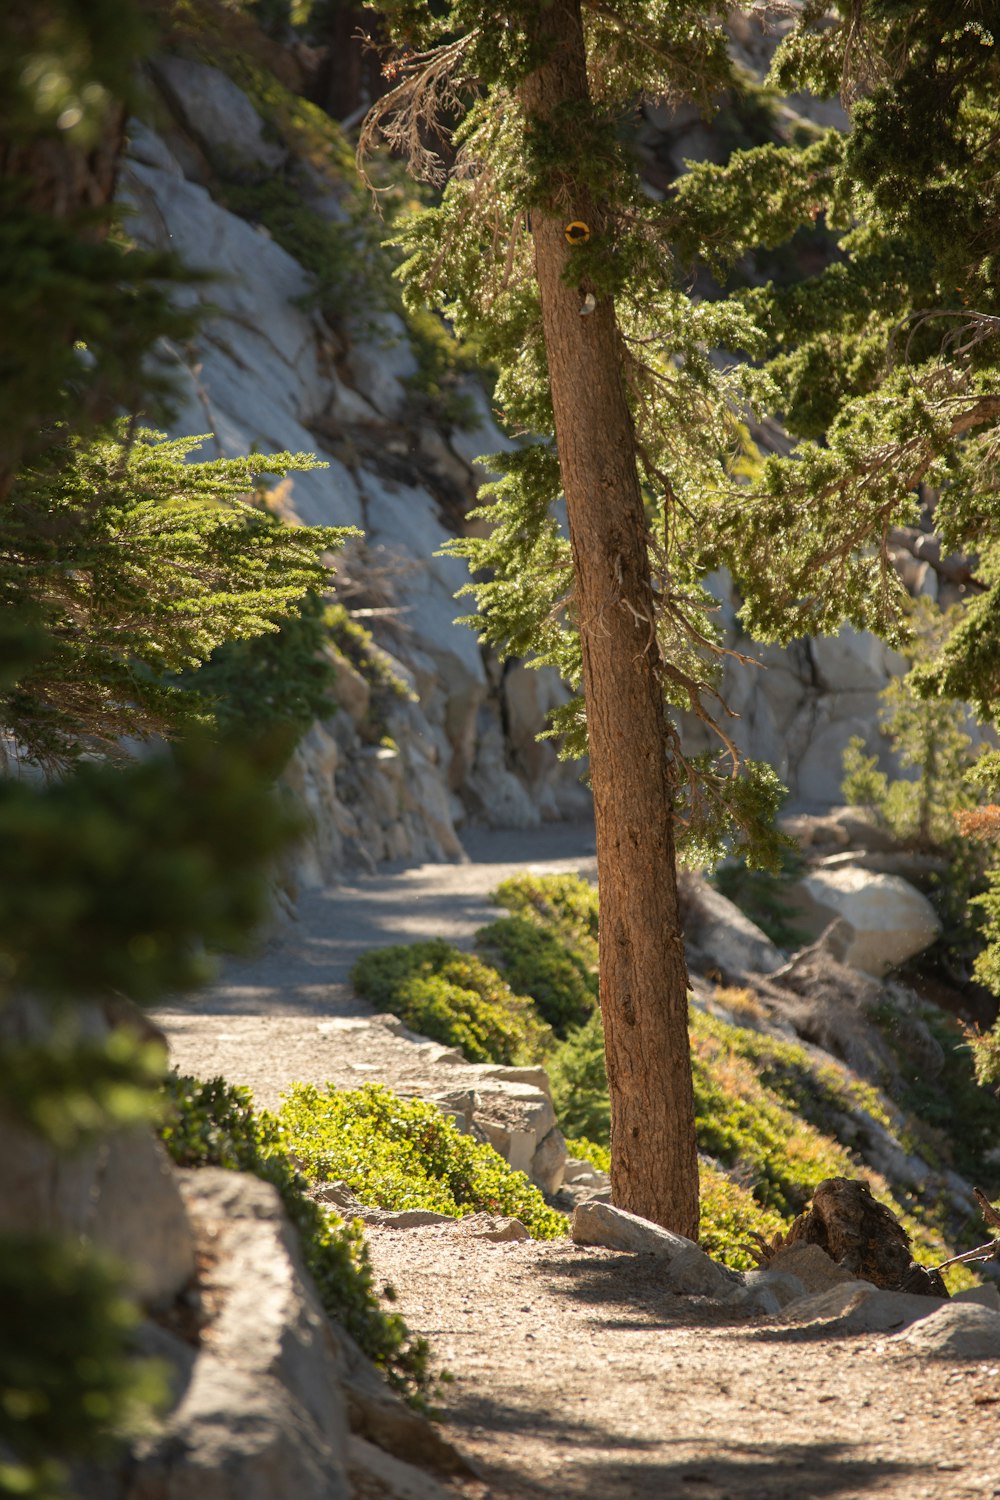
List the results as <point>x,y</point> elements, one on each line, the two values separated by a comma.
<point>270,371</point>
<point>274,1401</point>
<point>886,920</point>
<point>119,1195</point>
<point>718,934</point>
<point>274,368</point>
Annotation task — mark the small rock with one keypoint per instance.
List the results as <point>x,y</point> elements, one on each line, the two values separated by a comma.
<point>781,1286</point>
<point>689,1271</point>
<point>811,1265</point>
<point>376,1475</point>
<point>491,1227</point>
<point>955,1330</point>
<point>859,1307</point>
<point>412,1218</point>
<point>985,1296</point>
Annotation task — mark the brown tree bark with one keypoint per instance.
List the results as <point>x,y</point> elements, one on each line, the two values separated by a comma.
<point>643,974</point>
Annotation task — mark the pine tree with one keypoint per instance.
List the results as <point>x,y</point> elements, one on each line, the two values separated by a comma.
<point>887,364</point>
<point>545,250</point>
<point>121,565</point>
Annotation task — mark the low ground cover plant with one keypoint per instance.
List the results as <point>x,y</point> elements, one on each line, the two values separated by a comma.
<point>454,998</point>
<point>772,1119</point>
<point>214,1123</point>
<point>534,960</point>
<point>404,1153</point>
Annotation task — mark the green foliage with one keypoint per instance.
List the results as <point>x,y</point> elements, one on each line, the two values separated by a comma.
<point>467,256</point>
<point>579,1082</point>
<point>584,1150</point>
<point>406,1154</point>
<point>137,565</point>
<point>928,736</point>
<point>730,1214</point>
<point>359,646</point>
<point>214,1124</point>
<point>114,879</point>
<point>454,998</point>
<point>67,1384</point>
<point>535,962</point>
<point>566,905</point>
<point>69,1088</point>
<point>955,1119</point>
<point>272,683</point>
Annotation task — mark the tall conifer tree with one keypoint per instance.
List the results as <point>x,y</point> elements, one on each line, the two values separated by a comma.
<point>545,249</point>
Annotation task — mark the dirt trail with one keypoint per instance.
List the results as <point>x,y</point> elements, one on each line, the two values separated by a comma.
<point>290,1014</point>
<point>576,1374</point>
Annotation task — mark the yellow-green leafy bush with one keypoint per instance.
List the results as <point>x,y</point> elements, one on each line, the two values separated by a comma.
<point>564,904</point>
<point>214,1124</point>
<point>404,1153</point>
<point>535,962</point>
<point>453,998</point>
<point>729,1214</point>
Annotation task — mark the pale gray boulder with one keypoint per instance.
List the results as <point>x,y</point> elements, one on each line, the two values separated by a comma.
<point>688,1271</point>
<point>218,114</point>
<point>859,1307</point>
<point>955,1330</point>
<point>886,920</point>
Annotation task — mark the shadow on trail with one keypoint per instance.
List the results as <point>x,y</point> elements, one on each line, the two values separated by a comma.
<point>605,1464</point>
<point>633,1282</point>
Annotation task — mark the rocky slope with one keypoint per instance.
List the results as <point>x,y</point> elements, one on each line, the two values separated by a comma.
<point>249,183</point>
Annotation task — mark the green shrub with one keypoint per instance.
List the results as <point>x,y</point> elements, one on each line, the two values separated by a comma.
<point>215,1124</point>
<point>400,1154</point>
<point>763,896</point>
<point>68,1385</point>
<point>580,1084</point>
<point>282,679</point>
<point>729,1214</point>
<point>565,905</point>
<point>535,962</point>
<point>584,1150</point>
<point>453,998</point>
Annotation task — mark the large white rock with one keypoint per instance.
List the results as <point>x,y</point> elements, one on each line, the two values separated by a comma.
<point>380,365</point>
<point>219,115</point>
<point>854,659</point>
<point>256,282</point>
<point>888,920</point>
<point>688,1271</point>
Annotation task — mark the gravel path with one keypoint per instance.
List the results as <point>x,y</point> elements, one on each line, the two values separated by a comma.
<point>290,1013</point>
<point>576,1374</point>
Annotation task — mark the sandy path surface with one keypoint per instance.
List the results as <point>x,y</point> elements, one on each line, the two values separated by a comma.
<point>290,1014</point>
<point>576,1374</point>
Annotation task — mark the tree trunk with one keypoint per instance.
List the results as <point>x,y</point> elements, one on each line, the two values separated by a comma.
<point>654,1164</point>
